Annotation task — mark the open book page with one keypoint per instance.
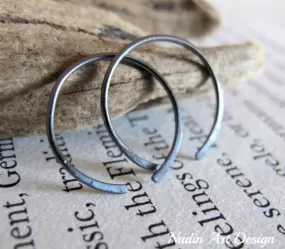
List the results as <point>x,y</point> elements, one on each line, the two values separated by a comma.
<point>232,198</point>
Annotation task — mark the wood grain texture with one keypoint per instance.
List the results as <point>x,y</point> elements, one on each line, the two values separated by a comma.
<point>39,39</point>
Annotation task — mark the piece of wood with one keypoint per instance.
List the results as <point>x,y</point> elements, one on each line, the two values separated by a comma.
<point>36,48</point>
<point>187,18</point>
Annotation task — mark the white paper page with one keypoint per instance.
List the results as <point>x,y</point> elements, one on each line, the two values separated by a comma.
<point>235,192</point>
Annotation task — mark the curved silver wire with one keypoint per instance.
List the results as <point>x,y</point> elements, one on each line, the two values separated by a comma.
<point>160,172</point>
<point>91,182</point>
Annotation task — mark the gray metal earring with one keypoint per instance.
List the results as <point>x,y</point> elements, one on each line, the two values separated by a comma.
<point>160,172</point>
<point>91,182</point>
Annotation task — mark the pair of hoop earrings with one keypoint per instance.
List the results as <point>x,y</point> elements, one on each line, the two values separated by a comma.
<point>159,170</point>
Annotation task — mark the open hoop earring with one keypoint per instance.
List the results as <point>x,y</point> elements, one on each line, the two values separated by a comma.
<point>91,182</point>
<point>160,172</point>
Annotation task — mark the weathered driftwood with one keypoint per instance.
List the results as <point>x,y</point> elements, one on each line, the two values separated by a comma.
<point>35,49</point>
<point>179,17</point>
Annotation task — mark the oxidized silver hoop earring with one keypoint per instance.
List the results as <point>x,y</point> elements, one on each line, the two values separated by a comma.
<point>160,172</point>
<point>91,182</point>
